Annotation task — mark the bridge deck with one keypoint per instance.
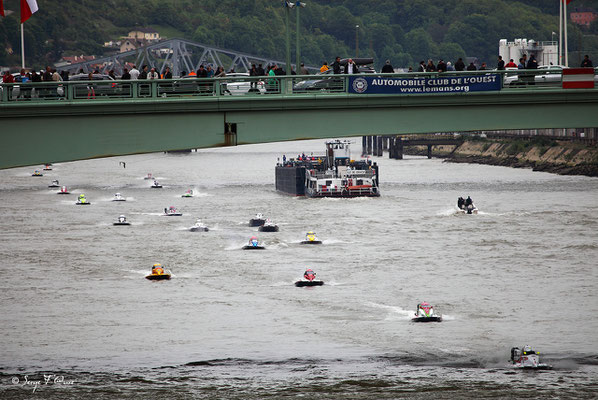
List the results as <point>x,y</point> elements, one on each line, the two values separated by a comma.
<point>52,122</point>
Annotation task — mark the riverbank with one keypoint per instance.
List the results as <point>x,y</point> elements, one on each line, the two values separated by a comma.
<point>559,157</point>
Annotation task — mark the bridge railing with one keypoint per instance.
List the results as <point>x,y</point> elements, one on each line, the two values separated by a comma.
<point>294,85</point>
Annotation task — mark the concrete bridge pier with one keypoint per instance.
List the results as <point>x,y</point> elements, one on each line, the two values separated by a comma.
<point>369,148</point>
<point>374,145</point>
<point>380,152</point>
<point>399,153</point>
<point>429,151</point>
<point>364,145</point>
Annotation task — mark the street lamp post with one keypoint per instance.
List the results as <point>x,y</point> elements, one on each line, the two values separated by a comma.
<point>297,48</point>
<point>288,60</point>
<point>356,41</point>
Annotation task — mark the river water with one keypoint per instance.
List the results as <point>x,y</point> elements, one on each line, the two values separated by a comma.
<point>80,321</point>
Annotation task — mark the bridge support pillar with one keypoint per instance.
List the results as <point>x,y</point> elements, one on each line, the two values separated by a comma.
<point>384,143</point>
<point>374,145</point>
<point>380,151</point>
<point>429,151</point>
<point>364,145</point>
<point>369,149</point>
<point>391,147</point>
<point>399,149</point>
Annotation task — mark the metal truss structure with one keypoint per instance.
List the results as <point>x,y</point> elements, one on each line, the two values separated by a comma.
<point>181,55</point>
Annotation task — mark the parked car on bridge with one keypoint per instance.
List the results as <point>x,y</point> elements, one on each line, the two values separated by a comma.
<point>325,81</point>
<point>545,75</point>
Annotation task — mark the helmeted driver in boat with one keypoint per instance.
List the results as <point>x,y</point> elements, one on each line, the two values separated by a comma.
<point>309,275</point>
<point>424,310</point>
<point>157,269</point>
<point>253,241</point>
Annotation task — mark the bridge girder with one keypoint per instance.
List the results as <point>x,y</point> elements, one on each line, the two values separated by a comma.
<point>179,57</point>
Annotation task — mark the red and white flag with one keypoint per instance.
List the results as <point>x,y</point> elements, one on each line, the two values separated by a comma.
<point>2,8</point>
<point>28,7</point>
<point>578,78</point>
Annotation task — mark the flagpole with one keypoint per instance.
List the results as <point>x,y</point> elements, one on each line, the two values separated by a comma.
<point>22,47</point>
<point>561,33</point>
<point>566,41</point>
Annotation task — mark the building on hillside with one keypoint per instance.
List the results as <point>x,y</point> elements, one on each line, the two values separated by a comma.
<point>546,53</point>
<point>138,38</point>
<point>583,17</point>
<point>148,34</point>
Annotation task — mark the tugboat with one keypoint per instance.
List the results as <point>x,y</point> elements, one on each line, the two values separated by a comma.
<point>268,226</point>
<point>118,197</point>
<point>156,185</point>
<point>332,175</point>
<point>54,184</point>
<point>258,220</point>
<point>425,313</point>
<point>122,220</point>
<point>311,238</point>
<point>199,226</point>
<point>310,277</point>
<point>188,193</point>
<point>253,244</point>
<point>172,212</point>
<point>37,173</point>
<point>527,358</point>
<point>82,201</point>
<point>149,176</point>
<point>63,190</point>
<point>47,167</point>
<point>159,273</point>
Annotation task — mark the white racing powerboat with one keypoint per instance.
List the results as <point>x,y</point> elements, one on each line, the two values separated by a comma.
<point>122,220</point>
<point>268,226</point>
<point>258,220</point>
<point>466,206</point>
<point>199,227</point>
<point>118,197</point>
<point>425,313</point>
<point>527,358</point>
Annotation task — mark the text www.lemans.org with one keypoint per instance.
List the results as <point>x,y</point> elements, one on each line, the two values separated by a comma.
<point>435,89</point>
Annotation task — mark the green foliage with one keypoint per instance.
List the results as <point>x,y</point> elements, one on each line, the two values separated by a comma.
<point>517,146</point>
<point>404,31</point>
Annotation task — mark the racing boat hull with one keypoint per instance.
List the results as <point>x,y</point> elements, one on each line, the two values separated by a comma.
<point>53,186</point>
<point>156,277</point>
<point>248,247</point>
<point>427,319</point>
<point>264,228</point>
<point>173,215</point>
<point>156,186</point>
<point>308,283</point>
<point>63,193</point>
<point>199,229</point>
<point>311,242</point>
<point>121,223</point>
<point>119,200</point>
<point>256,222</point>
<point>83,204</point>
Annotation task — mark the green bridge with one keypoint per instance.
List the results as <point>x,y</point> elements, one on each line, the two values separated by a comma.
<point>66,121</point>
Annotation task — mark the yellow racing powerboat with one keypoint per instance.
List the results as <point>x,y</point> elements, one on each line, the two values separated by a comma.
<point>158,273</point>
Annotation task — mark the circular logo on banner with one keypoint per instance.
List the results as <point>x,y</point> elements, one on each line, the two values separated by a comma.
<point>360,85</point>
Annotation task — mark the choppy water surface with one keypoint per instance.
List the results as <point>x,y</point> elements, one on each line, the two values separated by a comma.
<point>230,324</point>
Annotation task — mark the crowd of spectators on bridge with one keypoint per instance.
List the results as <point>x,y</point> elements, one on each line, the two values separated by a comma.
<point>348,67</point>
